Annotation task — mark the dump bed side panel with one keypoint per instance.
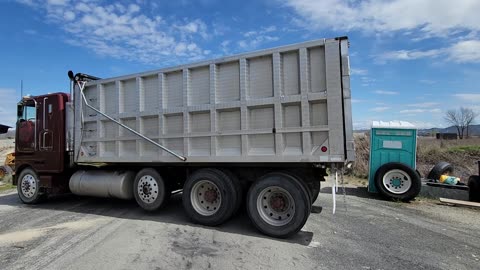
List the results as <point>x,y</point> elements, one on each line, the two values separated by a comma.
<point>279,105</point>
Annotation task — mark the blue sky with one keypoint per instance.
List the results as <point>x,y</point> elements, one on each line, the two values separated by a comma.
<point>411,60</point>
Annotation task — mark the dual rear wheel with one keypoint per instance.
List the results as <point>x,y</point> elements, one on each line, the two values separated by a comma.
<point>278,204</point>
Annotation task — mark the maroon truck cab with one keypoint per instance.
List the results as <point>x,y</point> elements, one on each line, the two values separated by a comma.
<point>40,140</point>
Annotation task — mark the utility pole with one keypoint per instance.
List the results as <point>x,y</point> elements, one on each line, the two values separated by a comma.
<point>21,89</point>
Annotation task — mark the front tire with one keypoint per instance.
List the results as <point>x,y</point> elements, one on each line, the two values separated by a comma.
<point>278,205</point>
<point>397,181</point>
<point>150,190</point>
<point>28,187</point>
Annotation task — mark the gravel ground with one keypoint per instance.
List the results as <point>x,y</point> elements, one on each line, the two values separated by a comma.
<point>70,232</point>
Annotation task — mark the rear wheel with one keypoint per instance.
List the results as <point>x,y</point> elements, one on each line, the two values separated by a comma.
<point>237,185</point>
<point>314,187</point>
<point>209,197</point>
<point>278,205</point>
<point>397,181</point>
<point>150,190</point>
<point>28,187</point>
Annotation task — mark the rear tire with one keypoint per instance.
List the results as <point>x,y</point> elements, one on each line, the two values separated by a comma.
<point>397,181</point>
<point>28,187</point>
<point>150,190</point>
<point>314,187</point>
<point>209,197</point>
<point>439,169</point>
<point>474,188</point>
<point>237,185</point>
<point>278,205</point>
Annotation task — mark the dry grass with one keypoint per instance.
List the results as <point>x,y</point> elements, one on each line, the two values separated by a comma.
<point>462,154</point>
<point>6,187</point>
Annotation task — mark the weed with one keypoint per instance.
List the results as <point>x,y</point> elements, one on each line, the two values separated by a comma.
<point>6,187</point>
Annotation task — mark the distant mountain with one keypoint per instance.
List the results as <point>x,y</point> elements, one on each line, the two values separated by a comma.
<point>473,130</point>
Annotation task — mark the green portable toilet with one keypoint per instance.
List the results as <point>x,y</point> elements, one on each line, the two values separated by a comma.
<point>393,160</point>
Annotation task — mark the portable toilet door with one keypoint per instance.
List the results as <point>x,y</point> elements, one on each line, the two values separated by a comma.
<point>392,162</point>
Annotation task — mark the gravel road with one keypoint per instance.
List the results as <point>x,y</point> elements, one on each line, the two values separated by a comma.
<point>70,232</point>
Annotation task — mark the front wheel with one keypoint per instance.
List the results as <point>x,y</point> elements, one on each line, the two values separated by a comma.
<point>278,205</point>
<point>28,187</point>
<point>397,181</point>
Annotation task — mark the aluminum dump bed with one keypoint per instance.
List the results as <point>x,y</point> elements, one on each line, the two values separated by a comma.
<point>286,104</point>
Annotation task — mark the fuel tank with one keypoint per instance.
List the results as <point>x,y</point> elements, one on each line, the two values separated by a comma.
<point>105,184</point>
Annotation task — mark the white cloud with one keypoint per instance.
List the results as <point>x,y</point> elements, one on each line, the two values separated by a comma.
<point>384,92</point>
<point>416,111</point>
<point>362,124</point>
<point>123,31</point>
<point>379,109</point>
<point>468,97</point>
<point>358,100</point>
<point>430,17</point>
<point>367,81</point>
<point>57,2</point>
<point>465,51</point>
<point>355,71</point>
<point>194,27</point>
<point>426,81</point>
<point>426,125</point>
<point>30,32</point>
<point>32,3</point>
<point>424,104</point>
<point>255,38</point>
<point>8,107</point>
<point>69,15</point>
<point>409,55</point>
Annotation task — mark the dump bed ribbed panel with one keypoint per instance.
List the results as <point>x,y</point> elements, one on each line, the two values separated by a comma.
<point>279,105</point>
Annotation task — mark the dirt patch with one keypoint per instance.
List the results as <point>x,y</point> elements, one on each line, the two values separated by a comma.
<point>31,234</point>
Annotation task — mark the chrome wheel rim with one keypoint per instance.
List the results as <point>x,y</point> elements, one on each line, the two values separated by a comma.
<point>397,181</point>
<point>275,206</point>
<point>148,189</point>
<point>206,198</point>
<point>28,185</point>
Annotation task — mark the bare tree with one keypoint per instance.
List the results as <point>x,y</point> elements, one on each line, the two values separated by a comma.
<point>461,119</point>
<point>470,116</point>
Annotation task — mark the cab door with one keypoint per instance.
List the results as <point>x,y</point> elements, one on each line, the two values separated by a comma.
<point>51,132</point>
<point>41,133</point>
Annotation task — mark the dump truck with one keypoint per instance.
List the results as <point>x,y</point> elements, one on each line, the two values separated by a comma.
<point>257,129</point>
